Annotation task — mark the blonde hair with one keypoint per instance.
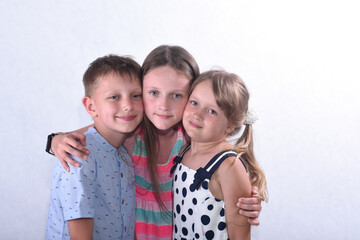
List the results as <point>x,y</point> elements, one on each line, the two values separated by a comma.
<point>232,97</point>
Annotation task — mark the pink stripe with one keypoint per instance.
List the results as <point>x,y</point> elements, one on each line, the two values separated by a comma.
<point>153,230</point>
<point>149,196</point>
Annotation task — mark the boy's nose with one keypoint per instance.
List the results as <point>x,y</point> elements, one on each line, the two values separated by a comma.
<point>127,105</point>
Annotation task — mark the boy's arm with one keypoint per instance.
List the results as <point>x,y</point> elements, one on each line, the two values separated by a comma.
<point>250,207</point>
<point>72,143</point>
<point>81,228</point>
<point>234,183</point>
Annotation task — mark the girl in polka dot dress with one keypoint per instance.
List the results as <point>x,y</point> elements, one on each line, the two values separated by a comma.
<point>210,174</point>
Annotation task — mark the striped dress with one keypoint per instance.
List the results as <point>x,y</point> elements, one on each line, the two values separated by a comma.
<point>151,223</point>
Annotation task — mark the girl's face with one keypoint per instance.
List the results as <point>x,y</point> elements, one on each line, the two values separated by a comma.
<point>203,119</point>
<point>165,93</point>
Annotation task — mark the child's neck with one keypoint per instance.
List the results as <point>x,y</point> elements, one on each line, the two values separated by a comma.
<point>208,147</point>
<point>115,139</point>
<point>166,141</point>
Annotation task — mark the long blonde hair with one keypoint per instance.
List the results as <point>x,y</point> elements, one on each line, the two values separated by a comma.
<point>232,97</point>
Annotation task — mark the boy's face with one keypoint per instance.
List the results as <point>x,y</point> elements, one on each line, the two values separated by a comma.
<point>165,93</point>
<point>117,105</point>
<point>203,119</point>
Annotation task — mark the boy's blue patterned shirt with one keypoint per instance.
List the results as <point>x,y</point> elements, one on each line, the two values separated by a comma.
<point>102,188</point>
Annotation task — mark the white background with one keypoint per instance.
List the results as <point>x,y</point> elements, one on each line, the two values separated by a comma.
<point>300,60</point>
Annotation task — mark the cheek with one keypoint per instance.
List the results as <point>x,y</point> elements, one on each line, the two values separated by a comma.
<point>179,107</point>
<point>139,106</point>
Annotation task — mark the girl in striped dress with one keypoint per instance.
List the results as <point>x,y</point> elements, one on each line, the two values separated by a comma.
<point>167,74</point>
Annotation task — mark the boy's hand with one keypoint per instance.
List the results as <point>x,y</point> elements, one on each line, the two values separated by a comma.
<point>69,143</point>
<point>250,207</point>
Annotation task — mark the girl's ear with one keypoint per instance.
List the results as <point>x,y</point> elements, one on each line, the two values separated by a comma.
<point>229,129</point>
<point>89,106</point>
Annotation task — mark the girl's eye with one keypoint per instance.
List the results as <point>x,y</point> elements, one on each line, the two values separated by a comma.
<point>212,112</point>
<point>194,103</point>
<point>114,97</point>
<point>154,93</point>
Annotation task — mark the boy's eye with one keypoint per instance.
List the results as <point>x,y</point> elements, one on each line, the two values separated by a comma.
<point>137,96</point>
<point>154,93</point>
<point>176,95</point>
<point>114,97</point>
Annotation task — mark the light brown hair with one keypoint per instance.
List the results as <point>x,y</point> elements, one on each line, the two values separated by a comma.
<point>124,66</point>
<point>232,97</point>
<point>182,61</point>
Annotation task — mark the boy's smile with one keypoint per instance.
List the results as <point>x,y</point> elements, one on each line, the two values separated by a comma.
<point>116,106</point>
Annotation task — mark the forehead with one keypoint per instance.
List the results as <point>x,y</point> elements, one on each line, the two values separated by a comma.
<point>165,75</point>
<point>113,80</point>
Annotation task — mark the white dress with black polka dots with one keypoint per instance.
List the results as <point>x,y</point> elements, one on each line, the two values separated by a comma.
<point>197,213</point>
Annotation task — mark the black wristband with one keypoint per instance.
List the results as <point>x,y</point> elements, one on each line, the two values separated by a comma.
<point>48,143</point>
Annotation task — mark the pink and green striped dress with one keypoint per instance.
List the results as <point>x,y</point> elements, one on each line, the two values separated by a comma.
<point>151,222</point>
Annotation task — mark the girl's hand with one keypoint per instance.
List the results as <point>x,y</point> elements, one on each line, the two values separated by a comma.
<point>250,207</point>
<point>69,143</point>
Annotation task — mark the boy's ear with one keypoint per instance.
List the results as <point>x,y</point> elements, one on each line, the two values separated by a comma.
<point>89,106</point>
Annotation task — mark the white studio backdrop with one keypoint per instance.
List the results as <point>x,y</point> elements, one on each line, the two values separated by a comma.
<point>300,61</point>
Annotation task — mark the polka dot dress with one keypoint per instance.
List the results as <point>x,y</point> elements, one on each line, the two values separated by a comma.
<point>197,213</point>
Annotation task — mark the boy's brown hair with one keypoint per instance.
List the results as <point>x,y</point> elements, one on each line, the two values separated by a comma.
<point>125,66</point>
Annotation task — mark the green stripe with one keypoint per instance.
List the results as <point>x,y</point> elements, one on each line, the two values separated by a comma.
<point>157,218</point>
<point>139,145</point>
<point>140,181</point>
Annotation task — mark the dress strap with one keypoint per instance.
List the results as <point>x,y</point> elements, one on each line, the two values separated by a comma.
<point>178,159</point>
<point>207,172</point>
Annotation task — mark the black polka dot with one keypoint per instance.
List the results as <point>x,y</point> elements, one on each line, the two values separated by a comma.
<point>193,227</point>
<point>222,212</point>
<point>178,208</point>
<point>192,188</point>
<point>177,191</point>
<point>175,228</point>
<point>180,167</point>
<point>194,201</point>
<point>190,211</point>
<point>209,235</point>
<point>183,218</point>
<point>221,226</point>
<point>184,231</point>
<point>210,207</point>
<point>175,178</point>
<point>182,202</point>
<point>184,192</point>
<point>205,219</point>
<point>197,236</point>
<point>183,176</point>
<point>205,185</point>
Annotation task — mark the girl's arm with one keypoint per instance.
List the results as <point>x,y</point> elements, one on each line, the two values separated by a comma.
<point>234,182</point>
<point>72,143</point>
<point>250,207</point>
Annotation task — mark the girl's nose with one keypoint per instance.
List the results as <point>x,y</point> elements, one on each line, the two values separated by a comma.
<point>163,104</point>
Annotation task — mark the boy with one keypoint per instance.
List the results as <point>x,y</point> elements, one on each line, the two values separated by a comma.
<point>97,200</point>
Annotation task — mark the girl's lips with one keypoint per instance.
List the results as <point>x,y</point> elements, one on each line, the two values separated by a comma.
<point>162,116</point>
<point>194,124</point>
<point>127,118</point>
